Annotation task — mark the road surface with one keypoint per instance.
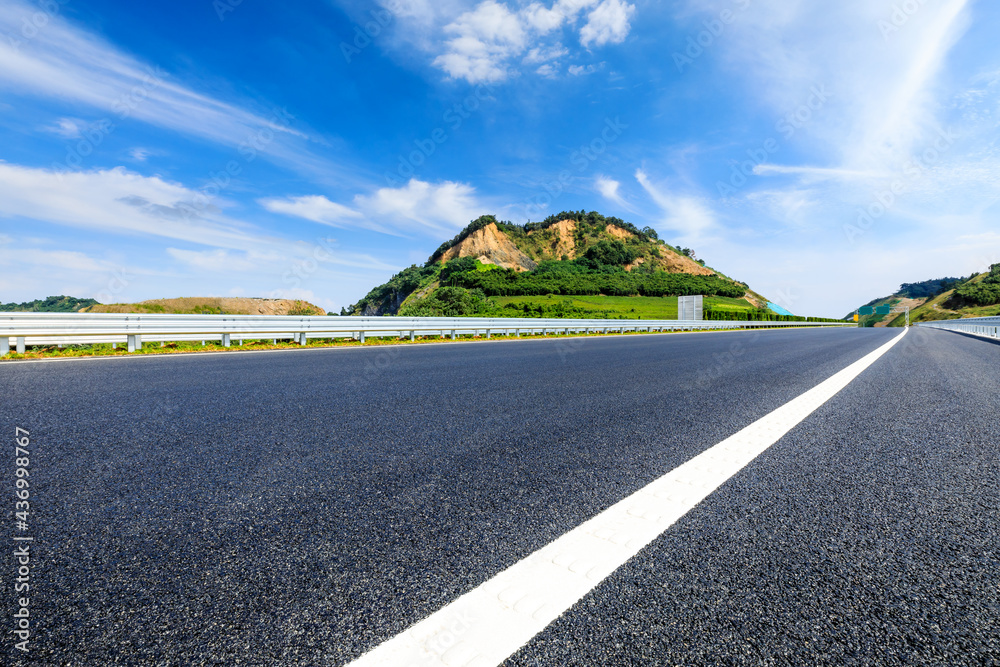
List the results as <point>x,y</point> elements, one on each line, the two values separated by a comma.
<point>304,507</point>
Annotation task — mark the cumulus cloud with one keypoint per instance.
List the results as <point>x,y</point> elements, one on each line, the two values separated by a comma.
<point>607,23</point>
<point>436,208</point>
<point>431,208</point>
<point>483,43</point>
<point>608,188</point>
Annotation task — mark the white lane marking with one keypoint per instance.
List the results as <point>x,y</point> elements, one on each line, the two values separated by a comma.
<point>489,623</point>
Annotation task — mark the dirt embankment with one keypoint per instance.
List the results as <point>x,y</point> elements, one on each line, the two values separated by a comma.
<point>213,305</point>
<point>491,246</point>
<point>903,303</point>
<point>563,240</point>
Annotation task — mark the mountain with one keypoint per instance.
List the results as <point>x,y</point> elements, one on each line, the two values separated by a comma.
<point>53,304</point>
<point>575,264</point>
<point>941,299</point>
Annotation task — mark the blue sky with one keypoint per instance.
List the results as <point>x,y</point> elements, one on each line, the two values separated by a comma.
<point>821,152</point>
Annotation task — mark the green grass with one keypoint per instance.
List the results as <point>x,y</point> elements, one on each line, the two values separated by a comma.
<point>632,307</point>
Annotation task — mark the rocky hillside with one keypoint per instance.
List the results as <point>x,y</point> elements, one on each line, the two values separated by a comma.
<point>213,306</point>
<point>942,299</point>
<point>573,253</point>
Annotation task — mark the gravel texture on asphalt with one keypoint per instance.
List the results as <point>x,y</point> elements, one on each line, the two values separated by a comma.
<point>869,535</point>
<point>301,507</point>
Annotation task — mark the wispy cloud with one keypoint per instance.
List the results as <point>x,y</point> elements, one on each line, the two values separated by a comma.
<point>686,214</point>
<point>121,203</point>
<point>64,61</point>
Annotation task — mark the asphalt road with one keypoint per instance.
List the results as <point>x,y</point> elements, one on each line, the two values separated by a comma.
<point>301,507</point>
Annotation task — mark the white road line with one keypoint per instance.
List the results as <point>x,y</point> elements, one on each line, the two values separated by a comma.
<point>489,623</point>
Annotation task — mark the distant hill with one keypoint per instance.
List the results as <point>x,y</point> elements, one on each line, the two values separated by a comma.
<point>942,299</point>
<point>53,304</point>
<point>213,306</point>
<point>574,264</point>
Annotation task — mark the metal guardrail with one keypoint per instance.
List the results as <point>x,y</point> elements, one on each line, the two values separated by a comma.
<point>28,329</point>
<point>987,327</point>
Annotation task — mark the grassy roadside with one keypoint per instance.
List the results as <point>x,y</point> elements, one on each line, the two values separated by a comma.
<point>626,307</point>
<point>148,349</point>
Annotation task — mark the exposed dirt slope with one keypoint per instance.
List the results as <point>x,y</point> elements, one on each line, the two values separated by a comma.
<point>558,241</point>
<point>491,246</point>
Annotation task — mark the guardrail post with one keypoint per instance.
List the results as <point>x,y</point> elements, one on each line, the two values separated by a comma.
<point>302,338</point>
<point>413,336</point>
<point>361,337</point>
<point>517,332</point>
<point>20,345</point>
<point>4,345</point>
<point>488,334</point>
<point>225,340</point>
<point>453,334</point>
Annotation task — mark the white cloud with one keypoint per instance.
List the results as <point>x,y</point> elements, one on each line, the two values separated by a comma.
<point>545,54</point>
<point>682,213</point>
<point>139,154</point>
<point>65,62</point>
<point>67,128</point>
<point>884,95</point>
<point>609,189</point>
<point>607,23</point>
<point>441,207</point>
<point>224,261</point>
<point>484,42</point>
<point>316,208</point>
<point>121,203</point>
<point>431,208</point>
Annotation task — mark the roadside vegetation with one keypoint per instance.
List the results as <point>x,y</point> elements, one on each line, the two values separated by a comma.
<point>53,304</point>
